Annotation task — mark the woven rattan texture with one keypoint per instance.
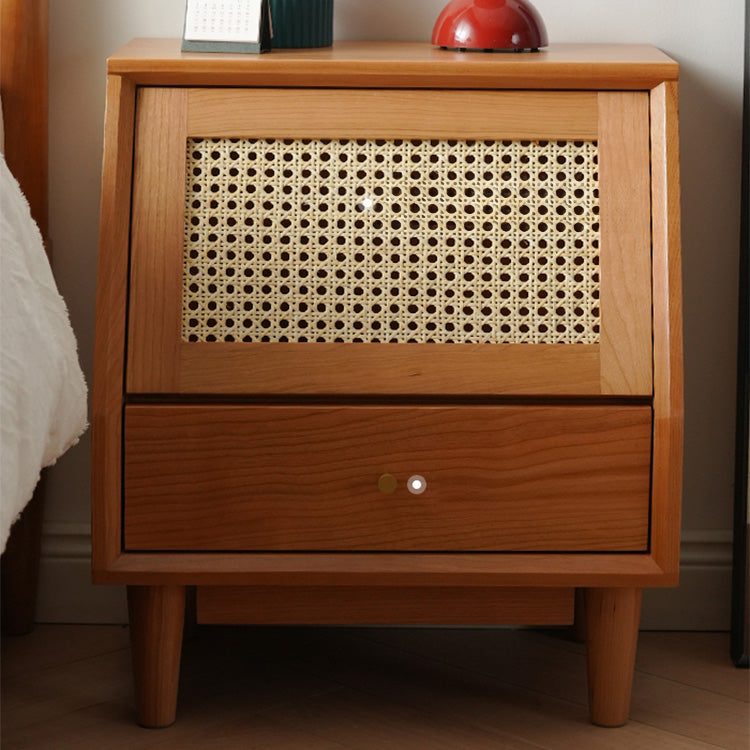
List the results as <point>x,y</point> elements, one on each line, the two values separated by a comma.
<point>391,241</point>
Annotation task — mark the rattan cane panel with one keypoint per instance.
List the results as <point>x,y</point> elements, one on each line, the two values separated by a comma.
<point>391,241</point>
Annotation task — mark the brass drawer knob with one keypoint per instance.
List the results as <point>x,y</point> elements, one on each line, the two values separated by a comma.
<point>387,484</point>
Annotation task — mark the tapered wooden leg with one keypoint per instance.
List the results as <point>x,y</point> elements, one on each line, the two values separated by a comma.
<point>612,618</point>
<point>157,615</point>
<point>579,621</point>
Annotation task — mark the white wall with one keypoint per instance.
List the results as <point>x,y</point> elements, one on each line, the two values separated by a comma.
<point>709,46</point>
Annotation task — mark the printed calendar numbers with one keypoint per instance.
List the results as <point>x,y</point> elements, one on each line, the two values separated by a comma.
<point>223,20</point>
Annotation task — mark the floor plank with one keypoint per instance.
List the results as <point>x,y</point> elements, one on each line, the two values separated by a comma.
<point>377,722</point>
<point>368,689</point>
<point>708,667</point>
<point>433,685</point>
<point>530,660</point>
<point>49,646</point>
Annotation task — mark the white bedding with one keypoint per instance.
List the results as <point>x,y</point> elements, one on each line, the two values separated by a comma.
<point>42,389</point>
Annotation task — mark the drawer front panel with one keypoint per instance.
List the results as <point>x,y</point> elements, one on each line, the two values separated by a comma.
<point>468,478</point>
<point>512,239</point>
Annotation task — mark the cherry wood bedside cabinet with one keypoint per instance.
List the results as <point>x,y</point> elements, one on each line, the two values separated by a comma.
<point>388,334</point>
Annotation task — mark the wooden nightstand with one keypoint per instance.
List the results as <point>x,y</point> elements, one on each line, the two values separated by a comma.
<point>388,334</point>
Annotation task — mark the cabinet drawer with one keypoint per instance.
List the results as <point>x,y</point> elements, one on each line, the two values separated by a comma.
<point>381,242</point>
<point>511,478</point>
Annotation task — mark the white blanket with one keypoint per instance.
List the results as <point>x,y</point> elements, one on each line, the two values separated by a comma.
<point>42,389</point>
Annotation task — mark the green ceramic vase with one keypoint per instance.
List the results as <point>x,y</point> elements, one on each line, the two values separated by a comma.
<point>302,23</point>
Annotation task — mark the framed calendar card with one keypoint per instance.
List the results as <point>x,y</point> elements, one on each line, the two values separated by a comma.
<point>227,26</point>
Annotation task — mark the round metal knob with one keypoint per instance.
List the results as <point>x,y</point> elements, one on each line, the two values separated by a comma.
<point>417,484</point>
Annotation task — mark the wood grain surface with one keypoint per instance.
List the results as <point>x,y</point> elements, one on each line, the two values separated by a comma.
<point>306,478</point>
<point>111,323</point>
<point>612,619</point>
<point>626,355</point>
<point>398,65</point>
<point>385,605</point>
<point>159,362</point>
<point>383,113</point>
<point>668,355</point>
<point>24,83</point>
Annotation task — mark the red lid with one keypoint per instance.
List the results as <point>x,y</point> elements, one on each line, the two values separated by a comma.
<point>511,25</point>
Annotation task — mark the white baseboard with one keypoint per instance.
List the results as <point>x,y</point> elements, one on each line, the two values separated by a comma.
<point>701,602</point>
<point>66,593</point>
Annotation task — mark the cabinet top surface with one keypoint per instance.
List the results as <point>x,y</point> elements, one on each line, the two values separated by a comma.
<point>402,64</point>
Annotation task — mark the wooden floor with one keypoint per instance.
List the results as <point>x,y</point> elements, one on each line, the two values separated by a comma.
<point>69,686</point>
